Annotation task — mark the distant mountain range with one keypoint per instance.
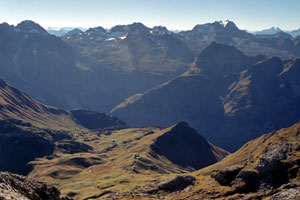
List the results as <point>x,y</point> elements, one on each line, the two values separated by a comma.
<point>135,67</point>
<point>221,94</point>
<point>275,30</point>
<point>61,31</point>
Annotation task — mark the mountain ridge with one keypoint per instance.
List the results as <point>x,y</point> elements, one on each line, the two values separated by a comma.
<point>250,85</point>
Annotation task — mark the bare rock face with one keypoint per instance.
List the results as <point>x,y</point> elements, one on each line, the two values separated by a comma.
<point>14,186</point>
<point>177,183</point>
<point>246,181</point>
<point>272,168</point>
<point>225,177</point>
<point>269,172</point>
<point>290,194</point>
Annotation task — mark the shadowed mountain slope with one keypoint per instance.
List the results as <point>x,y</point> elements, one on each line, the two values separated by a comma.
<point>185,147</point>
<point>97,69</point>
<point>29,129</point>
<point>227,96</point>
<point>92,70</point>
<point>218,60</point>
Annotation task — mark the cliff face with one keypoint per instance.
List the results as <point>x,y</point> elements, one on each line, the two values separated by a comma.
<point>14,186</point>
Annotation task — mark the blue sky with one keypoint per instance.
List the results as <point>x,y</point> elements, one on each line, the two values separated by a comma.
<point>174,14</point>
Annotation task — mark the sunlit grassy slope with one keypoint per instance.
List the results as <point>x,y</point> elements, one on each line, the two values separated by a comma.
<point>15,104</point>
<point>121,160</point>
<point>284,141</point>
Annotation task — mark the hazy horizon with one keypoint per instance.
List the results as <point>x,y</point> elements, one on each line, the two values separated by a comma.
<point>251,15</point>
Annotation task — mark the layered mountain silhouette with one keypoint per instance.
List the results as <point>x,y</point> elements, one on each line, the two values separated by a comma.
<point>79,72</point>
<point>98,68</point>
<point>229,85</point>
<point>269,31</point>
<point>275,30</point>
<point>49,143</point>
<point>227,33</point>
<point>29,129</point>
<point>227,96</point>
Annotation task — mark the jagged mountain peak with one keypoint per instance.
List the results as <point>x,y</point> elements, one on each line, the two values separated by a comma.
<point>229,24</point>
<point>181,124</point>
<point>275,28</point>
<point>96,31</point>
<point>215,49</point>
<point>218,60</point>
<point>183,129</point>
<point>138,28</point>
<point>31,27</point>
<point>270,31</point>
<point>282,34</point>
<point>160,30</point>
<point>209,28</point>
<point>73,32</point>
<point>5,25</point>
<point>137,25</point>
<point>119,28</point>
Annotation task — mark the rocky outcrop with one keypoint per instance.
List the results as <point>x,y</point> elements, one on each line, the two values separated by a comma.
<point>289,194</point>
<point>271,164</point>
<point>177,183</point>
<point>271,171</point>
<point>14,186</point>
<point>225,177</point>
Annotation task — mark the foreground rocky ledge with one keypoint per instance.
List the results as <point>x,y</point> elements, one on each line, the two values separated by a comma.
<point>13,186</point>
